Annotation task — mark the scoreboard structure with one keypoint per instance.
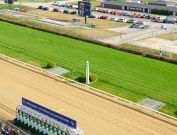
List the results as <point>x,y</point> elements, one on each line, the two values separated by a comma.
<point>84,8</point>
<point>9,1</point>
<point>44,120</point>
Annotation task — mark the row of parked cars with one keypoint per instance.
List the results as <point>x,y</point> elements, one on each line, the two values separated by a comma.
<point>135,24</point>
<point>58,10</point>
<point>63,4</point>
<point>158,19</point>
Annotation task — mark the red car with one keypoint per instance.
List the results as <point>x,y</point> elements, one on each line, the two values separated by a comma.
<point>23,10</point>
<point>56,10</point>
<point>105,11</point>
<point>103,17</point>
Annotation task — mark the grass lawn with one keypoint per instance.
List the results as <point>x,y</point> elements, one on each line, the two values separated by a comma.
<point>169,36</point>
<point>6,6</point>
<point>37,0</point>
<point>130,76</point>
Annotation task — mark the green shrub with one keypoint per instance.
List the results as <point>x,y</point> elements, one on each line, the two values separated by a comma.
<point>51,65</point>
<point>92,77</point>
<point>82,79</point>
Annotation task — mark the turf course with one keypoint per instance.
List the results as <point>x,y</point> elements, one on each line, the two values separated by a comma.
<point>129,76</point>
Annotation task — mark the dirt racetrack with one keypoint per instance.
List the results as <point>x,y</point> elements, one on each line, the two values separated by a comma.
<point>95,115</point>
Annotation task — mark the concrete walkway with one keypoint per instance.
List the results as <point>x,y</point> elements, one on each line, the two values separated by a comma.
<point>157,43</point>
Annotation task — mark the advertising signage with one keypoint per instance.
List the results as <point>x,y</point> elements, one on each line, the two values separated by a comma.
<point>56,116</point>
<point>84,8</point>
<point>9,1</point>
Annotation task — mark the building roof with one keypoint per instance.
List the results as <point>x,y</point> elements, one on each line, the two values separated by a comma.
<point>141,5</point>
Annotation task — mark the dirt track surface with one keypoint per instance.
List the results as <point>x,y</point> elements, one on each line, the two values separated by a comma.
<point>95,115</point>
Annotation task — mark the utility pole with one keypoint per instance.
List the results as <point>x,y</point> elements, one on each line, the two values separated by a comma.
<point>87,72</point>
<point>10,6</point>
<point>85,14</point>
<point>160,51</point>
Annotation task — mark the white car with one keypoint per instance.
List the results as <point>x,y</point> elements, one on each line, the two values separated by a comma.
<point>131,21</point>
<point>58,3</point>
<point>140,22</point>
<point>75,6</point>
<point>121,20</point>
<point>113,19</point>
<point>55,3</point>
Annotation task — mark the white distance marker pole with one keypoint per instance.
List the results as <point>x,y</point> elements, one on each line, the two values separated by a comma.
<point>87,73</point>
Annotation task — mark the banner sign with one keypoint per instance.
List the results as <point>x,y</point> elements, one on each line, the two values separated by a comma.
<point>56,116</point>
<point>84,8</point>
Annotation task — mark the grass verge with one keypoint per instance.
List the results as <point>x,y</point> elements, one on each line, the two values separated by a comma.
<point>6,6</point>
<point>169,36</point>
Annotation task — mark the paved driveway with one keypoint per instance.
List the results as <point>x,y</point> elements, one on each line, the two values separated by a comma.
<point>157,44</point>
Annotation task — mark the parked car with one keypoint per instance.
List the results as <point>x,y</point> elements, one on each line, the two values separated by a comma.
<point>40,7</point>
<point>103,17</point>
<point>111,12</point>
<point>76,20</point>
<point>105,11</point>
<point>58,3</point>
<point>16,9</point>
<point>132,15</point>
<point>100,10</point>
<point>66,11</point>
<point>73,12</point>
<point>114,12</point>
<point>95,9</point>
<point>156,20</point>
<point>125,14</point>
<point>135,25</point>
<point>137,15</point>
<point>140,22</point>
<point>55,3</point>
<point>121,20</point>
<point>92,16</point>
<point>170,20</point>
<point>45,8</point>
<point>23,10</point>
<point>113,19</point>
<point>142,16</point>
<point>75,6</point>
<point>147,16</point>
<point>56,10</point>
<point>144,26</point>
<point>131,21</point>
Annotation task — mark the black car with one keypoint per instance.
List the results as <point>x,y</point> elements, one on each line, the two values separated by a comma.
<point>92,16</point>
<point>45,8</point>
<point>40,7</point>
<point>73,12</point>
<point>66,12</point>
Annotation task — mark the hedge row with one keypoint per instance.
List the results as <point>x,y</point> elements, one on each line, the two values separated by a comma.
<point>161,12</point>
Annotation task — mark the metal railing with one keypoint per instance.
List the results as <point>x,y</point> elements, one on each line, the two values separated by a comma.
<point>6,126</point>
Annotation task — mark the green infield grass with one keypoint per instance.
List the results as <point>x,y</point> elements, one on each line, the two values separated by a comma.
<point>6,6</point>
<point>126,75</point>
